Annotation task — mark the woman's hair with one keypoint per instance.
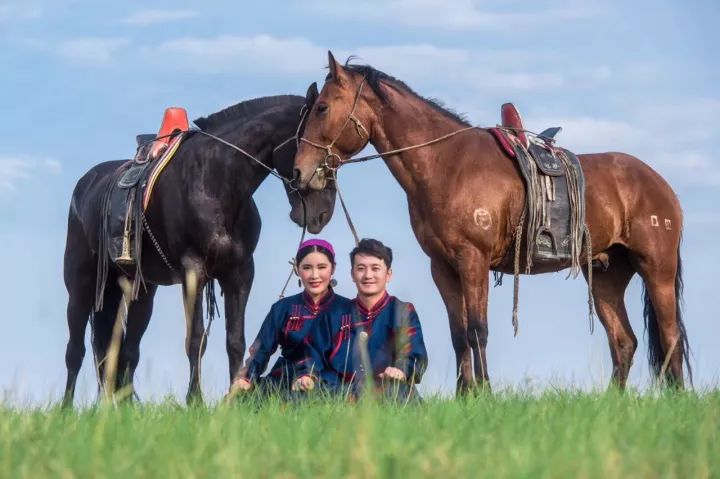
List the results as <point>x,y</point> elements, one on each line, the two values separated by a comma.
<point>313,248</point>
<point>372,247</point>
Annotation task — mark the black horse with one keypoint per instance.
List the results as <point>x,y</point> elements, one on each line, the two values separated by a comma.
<point>204,220</point>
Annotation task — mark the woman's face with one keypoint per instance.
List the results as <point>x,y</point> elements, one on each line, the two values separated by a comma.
<point>315,272</point>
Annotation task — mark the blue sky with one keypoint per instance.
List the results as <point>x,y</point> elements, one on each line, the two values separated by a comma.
<point>79,79</point>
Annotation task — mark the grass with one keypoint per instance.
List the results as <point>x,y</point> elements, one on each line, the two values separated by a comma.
<point>508,434</point>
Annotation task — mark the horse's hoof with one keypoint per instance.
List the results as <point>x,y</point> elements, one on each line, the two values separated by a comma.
<point>194,400</point>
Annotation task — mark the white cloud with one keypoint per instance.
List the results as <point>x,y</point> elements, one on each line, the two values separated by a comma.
<point>228,53</point>
<point>14,170</point>
<point>153,17</point>
<point>15,11</point>
<point>480,69</point>
<point>587,134</point>
<point>460,15</point>
<point>463,68</point>
<point>674,139</point>
<point>668,135</point>
<point>691,121</point>
<point>92,50</point>
<point>51,165</point>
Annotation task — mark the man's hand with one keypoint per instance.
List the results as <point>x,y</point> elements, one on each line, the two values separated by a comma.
<point>303,383</point>
<point>240,385</point>
<point>392,373</point>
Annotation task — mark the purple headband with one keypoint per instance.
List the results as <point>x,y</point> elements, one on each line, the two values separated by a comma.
<point>318,242</point>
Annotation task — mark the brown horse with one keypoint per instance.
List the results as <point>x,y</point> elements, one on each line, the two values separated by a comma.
<point>633,215</point>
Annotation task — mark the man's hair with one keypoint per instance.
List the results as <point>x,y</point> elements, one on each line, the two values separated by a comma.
<point>372,247</point>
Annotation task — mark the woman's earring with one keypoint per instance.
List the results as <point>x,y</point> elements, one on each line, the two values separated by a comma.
<point>299,283</point>
<point>333,283</point>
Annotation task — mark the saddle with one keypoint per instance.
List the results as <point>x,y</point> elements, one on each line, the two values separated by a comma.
<point>554,218</point>
<point>150,146</point>
<point>127,196</point>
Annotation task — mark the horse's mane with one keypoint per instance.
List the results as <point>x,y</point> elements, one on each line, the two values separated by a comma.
<point>374,77</point>
<point>245,109</point>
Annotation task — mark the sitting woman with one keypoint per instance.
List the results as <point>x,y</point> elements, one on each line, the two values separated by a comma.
<point>289,323</point>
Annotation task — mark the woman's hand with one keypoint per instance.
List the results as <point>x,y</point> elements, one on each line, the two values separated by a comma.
<point>240,385</point>
<point>392,373</point>
<point>303,383</point>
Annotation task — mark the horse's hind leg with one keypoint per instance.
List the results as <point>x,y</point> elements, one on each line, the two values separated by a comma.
<point>609,295</point>
<point>79,275</point>
<point>448,284</point>
<point>138,318</point>
<point>79,306</point>
<point>666,332</point>
<point>102,326</point>
<point>195,343</point>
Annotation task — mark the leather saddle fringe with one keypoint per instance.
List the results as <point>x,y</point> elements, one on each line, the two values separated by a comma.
<point>121,202</point>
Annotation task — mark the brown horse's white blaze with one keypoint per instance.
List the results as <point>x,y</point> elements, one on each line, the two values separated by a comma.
<point>466,197</point>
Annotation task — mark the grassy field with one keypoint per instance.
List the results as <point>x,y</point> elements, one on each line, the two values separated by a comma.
<point>504,435</point>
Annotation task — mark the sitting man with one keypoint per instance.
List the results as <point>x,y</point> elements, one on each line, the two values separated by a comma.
<point>395,358</point>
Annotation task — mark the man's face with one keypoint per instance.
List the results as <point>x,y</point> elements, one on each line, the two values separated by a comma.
<point>370,274</point>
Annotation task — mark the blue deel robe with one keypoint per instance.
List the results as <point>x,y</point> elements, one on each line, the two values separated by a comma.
<point>394,339</point>
<point>288,325</point>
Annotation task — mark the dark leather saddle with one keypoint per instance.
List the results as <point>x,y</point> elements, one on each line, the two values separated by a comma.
<point>124,199</point>
<point>554,185</point>
<point>150,146</point>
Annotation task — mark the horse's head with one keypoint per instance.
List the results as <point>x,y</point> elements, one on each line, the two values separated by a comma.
<point>313,209</point>
<point>338,126</point>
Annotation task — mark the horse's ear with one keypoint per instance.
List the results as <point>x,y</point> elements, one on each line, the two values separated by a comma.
<point>311,95</point>
<point>337,72</point>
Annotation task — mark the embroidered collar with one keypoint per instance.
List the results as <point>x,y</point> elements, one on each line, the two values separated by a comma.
<point>377,307</point>
<point>320,305</point>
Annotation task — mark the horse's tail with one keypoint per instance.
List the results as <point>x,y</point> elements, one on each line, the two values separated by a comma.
<point>211,304</point>
<point>656,355</point>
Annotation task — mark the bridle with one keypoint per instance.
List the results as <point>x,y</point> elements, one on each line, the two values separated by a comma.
<point>333,161</point>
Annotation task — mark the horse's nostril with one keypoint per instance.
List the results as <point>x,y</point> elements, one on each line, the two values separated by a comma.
<point>297,218</point>
<point>296,175</point>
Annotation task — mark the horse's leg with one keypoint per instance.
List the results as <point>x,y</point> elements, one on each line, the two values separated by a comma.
<point>195,343</point>
<point>448,283</point>
<point>138,318</point>
<point>236,289</point>
<point>609,297</point>
<point>474,271</point>
<point>80,304</point>
<point>79,275</point>
<point>666,332</point>
<point>102,327</point>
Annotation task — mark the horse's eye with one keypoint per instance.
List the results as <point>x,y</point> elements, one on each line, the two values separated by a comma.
<point>322,107</point>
